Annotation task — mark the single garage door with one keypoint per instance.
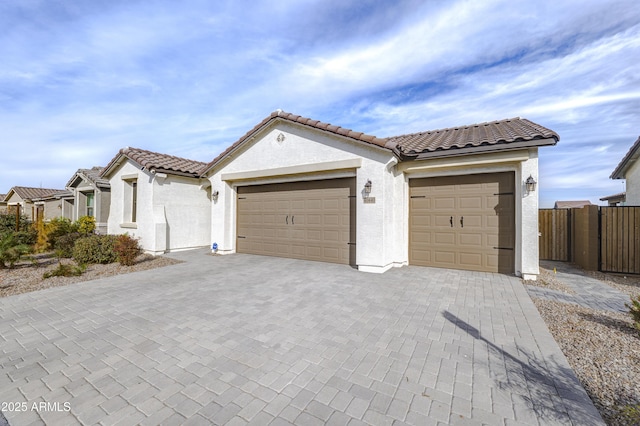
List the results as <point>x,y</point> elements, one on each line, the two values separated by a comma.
<point>312,220</point>
<point>463,222</point>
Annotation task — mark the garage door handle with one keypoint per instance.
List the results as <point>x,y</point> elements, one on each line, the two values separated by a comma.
<point>462,221</point>
<point>286,220</point>
<point>451,221</point>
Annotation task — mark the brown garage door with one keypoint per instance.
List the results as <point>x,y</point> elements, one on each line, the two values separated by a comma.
<point>305,220</point>
<point>463,222</point>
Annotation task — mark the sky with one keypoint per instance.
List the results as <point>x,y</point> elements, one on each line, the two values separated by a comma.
<point>80,79</point>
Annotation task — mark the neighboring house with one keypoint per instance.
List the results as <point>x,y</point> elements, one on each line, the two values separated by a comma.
<point>3,204</point>
<point>454,198</point>
<point>615,199</point>
<point>91,196</point>
<point>629,169</point>
<point>158,198</point>
<point>52,205</point>
<point>26,198</point>
<point>578,204</point>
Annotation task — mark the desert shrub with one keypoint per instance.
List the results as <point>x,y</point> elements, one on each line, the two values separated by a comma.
<point>634,310</point>
<point>86,224</point>
<point>42,242</point>
<point>95,249</point>
<point>127,249</point>
<point>28,238</point>
<point>58,227</point>
<point>64,244</point>
<point>65,271</point>
<point>11,249</point>
<point>8,223</point>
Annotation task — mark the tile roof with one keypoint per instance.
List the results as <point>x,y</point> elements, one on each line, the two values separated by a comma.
<point>515,132</point>
<point>27,193</point>
<point>619,195</point>
<point>54,195</point>
<point>631,156</point>
<point>91,175</point>
<point>161,162</point>
<point>279,114</point>
<point>572,204</point>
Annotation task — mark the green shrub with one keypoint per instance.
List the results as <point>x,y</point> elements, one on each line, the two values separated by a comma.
<point>28,238</point>
<point>65,271</point>
<point>11,249</point>
<point>634,310</point>
<point>95,249</point>
<point>86,224</point>
<point>127,249</point>
<point>64,244</point>
<point>8,223</point>
<point>58,227</point>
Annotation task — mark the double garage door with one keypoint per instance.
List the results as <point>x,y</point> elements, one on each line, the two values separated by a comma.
<point>305,220</point>
<point>463,222</point>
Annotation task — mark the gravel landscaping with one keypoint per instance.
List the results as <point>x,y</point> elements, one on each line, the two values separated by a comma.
<point>26,276</point>
<point>602,347</point>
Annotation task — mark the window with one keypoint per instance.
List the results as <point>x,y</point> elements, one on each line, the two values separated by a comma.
<point>90,203</point>
<point>134,200</point>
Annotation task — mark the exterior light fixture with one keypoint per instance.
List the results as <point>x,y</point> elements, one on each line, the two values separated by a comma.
<point>214,195</point>
<point>530,183</point>
<point>367,187</point>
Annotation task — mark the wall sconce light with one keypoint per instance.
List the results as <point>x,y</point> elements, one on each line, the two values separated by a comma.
<point>214,195</point>
<point>530,183</point>
<point>367,188</point>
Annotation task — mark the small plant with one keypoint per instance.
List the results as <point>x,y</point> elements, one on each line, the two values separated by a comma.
<point>634,310</point>
<point>65,270</point>
<point>11,250</point>
<point>127,249</point>
<point>63,245</point>
<point>86,224</point>
<point>95,249</point>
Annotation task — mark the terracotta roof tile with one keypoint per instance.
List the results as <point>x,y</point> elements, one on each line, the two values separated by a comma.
<point>511,130</point>
<point>630,157</point>
<point>92,175</point>
<point>358,136</point>
<point>28,193</point>
<point>155,160</point>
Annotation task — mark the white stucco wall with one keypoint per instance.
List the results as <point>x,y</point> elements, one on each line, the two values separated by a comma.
<point>173,212</point>
<point>376,238</point>
<point>633,185</point>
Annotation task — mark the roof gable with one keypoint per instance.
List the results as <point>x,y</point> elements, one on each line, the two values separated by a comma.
<point>91,176</point>
<point>513,133</point>
<point>150,160</point>
<point>28,193</point>
<point>627,161</point>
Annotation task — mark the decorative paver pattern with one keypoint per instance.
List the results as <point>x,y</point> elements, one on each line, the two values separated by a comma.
<point>590,292</point>
<point>246,339</point>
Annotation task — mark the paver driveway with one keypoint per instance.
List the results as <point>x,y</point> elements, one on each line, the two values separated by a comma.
<point>248,339</point>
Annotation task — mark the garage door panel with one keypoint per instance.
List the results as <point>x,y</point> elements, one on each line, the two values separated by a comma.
<point>308,220</point>
<point>487,204</point>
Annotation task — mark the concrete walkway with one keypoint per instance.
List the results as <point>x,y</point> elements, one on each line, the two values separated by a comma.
<point>590,292</point>
<point>256,340</point>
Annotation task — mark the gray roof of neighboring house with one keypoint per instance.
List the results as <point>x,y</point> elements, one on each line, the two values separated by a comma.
<point>92,176</point>
<point>572,204</point>
<point>28,193</point>
<point>630,158</point>
<point>54,196</point>
<point>155,161</point>
<point>514,133</point>
<point>619,195</point>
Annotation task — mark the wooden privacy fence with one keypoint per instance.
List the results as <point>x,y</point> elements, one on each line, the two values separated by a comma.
<point>596,238</point>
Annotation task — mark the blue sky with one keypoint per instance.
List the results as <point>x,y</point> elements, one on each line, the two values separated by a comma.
<point>81,79</point>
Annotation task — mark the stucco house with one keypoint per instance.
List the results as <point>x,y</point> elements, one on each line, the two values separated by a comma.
<point>30,198</point>
<point>91,196</point>
<point>460,197</point>
<point>53,205</point>
<point>629,169</point>
<point>158,198</point>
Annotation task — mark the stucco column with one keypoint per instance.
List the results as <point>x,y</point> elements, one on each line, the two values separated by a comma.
<point>529,251</point>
